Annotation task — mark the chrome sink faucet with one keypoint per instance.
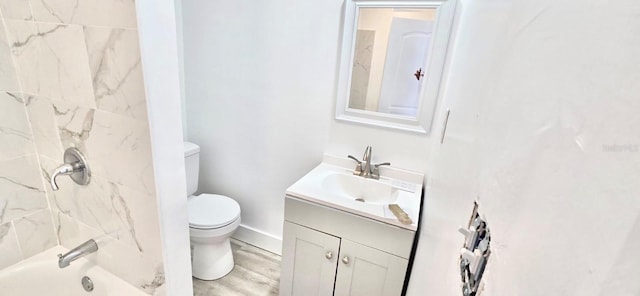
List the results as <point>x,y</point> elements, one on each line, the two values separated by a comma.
<point>82,250</point>
<point>364,168</point>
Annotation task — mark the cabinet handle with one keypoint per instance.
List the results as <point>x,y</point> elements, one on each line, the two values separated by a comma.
<point>345,260</point>
<point>328,255</point>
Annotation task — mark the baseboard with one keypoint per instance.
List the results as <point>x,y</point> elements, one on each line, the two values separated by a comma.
<point>259,239</point>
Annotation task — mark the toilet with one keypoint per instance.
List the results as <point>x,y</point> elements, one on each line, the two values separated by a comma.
<point>212,220</point>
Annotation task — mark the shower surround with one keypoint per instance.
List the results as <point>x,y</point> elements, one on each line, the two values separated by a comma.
<point>70,76</point>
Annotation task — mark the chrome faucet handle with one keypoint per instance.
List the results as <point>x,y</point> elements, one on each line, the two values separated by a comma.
<point>65,169</point>
<point>354,159</point>
<point>358,169</point>
<point>75,166</point>
<point>376,170</point>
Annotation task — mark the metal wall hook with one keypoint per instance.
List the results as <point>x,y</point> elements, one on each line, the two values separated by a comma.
<point>75,165</point>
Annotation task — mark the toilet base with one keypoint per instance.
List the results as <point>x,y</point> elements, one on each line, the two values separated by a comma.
<point>211,261</point>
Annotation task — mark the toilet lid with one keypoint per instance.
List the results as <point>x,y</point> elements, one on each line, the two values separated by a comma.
<point>208,211</point>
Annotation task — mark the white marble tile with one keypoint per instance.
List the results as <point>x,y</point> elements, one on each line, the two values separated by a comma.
<point>35,233</point>
<point>120,149</point>
<point>52,61</point>
<point>160,291</point>
<point>86,203</point>
<point>70,233</point>
<point>74,124</point>
<point>44,126</point>
<point>15,134</point>
<point>114,59</point>
<point>361,69</point>
<point>8,78</point>
<point>109,13</point>
<point>138,214</point>
<point>65,228</point>
<point>89,204</point>
<point>21,187</point>
<point>125,214</point>
<point>141,270</point>
<point>16,9</point>
<point>9,249</point>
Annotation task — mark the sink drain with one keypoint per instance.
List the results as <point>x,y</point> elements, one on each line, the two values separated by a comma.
<point>87,283</point>
<point>360,199</point>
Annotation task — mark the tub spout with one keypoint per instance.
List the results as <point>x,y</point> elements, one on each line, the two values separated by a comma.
<point>86,248</point>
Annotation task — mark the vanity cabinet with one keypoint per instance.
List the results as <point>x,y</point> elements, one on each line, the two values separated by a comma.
<point>309,260</point>
<point>365,271</point>
<point>330,252</point>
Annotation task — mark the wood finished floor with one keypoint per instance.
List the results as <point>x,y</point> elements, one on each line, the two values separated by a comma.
<point>256,273</point>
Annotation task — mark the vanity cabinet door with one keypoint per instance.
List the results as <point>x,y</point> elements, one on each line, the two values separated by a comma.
<point>365,271</point>
<point>309,261</point>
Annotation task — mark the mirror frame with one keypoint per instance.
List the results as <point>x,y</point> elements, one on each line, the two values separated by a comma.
<point>434,70</point>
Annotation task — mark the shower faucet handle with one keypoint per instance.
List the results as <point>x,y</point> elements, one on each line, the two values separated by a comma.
<point>75,166</point>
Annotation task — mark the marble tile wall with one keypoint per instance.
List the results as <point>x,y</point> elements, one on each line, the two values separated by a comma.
<point>70,76</point>
<point>361,69</point>
<point>26,226</point>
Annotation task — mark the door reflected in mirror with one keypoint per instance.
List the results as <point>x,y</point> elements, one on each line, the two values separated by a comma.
<point>390,58</point>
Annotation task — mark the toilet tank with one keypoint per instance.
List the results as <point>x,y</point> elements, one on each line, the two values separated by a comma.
<point>191,166</point>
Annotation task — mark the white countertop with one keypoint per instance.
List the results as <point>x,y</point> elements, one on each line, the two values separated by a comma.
<point>406,184</point>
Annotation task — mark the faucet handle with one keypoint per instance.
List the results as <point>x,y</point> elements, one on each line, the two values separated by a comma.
<point>65,169</point>
<point>75,166</point>
<point>376,169</point>
<point>358,170</point>
<point>354,159</point>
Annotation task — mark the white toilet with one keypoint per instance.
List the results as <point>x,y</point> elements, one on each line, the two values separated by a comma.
<point>212,220</point>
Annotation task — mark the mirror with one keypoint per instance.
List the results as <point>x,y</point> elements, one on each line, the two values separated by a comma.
<point>390,59</point>
<point>393,55</point>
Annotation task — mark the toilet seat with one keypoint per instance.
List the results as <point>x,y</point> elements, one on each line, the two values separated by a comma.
<point>212,211</point>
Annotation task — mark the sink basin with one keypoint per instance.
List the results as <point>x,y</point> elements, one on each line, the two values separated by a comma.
<point>360,189</point>
<point>333,184</point>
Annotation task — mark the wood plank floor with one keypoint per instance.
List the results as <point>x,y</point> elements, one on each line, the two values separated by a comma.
<point>256,273</point>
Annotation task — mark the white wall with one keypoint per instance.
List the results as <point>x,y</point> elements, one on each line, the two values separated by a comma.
<point>160,53</point>
<point>261,104</point>
<point>259,99</point>
<point>539,91</point>
<point>536,89</point>
<point>180,43</point>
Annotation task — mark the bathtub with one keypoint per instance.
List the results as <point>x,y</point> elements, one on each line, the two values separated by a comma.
<point>40,275</point>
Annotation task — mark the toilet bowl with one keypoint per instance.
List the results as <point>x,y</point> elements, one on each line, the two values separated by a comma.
<point>212,220</point>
